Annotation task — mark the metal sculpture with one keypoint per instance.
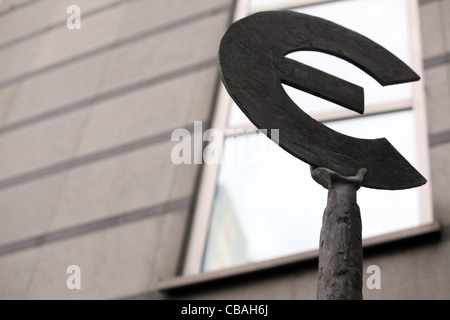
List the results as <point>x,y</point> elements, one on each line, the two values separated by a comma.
<point>254,67</point>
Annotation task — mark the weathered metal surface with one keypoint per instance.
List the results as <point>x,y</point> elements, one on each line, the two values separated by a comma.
<point>340,250</point>
<point>253,67</point>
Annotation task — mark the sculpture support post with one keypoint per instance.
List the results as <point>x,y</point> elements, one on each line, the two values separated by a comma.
<point>340,250</point>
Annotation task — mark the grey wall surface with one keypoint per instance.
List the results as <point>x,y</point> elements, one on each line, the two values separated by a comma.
<point>86,119</point>
<point>85,171</point>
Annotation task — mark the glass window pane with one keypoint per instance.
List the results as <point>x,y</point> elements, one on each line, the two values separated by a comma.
<point>271,207</point>
<point>385,211</point>
<point>383,21</point>
<point>236,116</point>
<point>266,205</point>
<point>258,3</point>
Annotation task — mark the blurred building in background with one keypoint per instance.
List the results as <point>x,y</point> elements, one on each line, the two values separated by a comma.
<point>87,176</point>
<point>226,243</point>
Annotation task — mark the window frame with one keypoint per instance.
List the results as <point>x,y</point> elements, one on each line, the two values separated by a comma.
<point>205,198</point>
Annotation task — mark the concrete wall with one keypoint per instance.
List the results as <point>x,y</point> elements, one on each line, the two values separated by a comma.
<point>86,119</point>
<point>85,172</point>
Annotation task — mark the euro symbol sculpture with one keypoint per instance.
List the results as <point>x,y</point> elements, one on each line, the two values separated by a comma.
<point>254,67</point>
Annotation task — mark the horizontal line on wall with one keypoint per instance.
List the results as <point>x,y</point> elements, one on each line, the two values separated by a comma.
<point>16,7</point>
<point>90,158</point>
<point>445,233</point>
<point>117,44</point>
<point>439,138</point>
<point>151,295</point>
<point>62,110</point>
<point>101,224</point>
<point>61,23</point>
<point>436,61</point>
<point>422,2</point>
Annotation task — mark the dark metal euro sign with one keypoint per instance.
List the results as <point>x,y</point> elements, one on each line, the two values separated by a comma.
<point>253,67</point>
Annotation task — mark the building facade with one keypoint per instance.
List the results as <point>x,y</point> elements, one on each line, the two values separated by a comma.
<point>90,96</point>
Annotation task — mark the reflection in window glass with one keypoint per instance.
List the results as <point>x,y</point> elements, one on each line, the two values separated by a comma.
<point>383,21</point>
<point>271,207</point>
<point>258,3</point>
<point>236,116</point>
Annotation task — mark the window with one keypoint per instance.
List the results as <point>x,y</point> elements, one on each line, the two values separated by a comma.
<point>268,207</point>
